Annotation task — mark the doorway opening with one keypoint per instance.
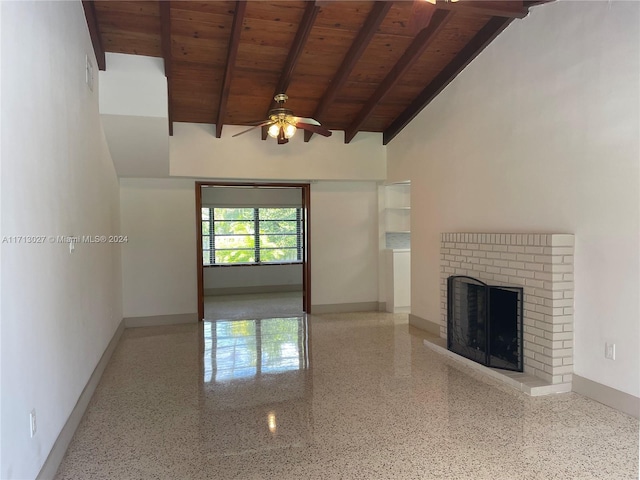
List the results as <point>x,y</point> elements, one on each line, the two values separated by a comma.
<point>253,249</point>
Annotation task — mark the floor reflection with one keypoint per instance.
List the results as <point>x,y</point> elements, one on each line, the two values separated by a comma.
<point>257,387</point>
<point>365,399</point>
<point>241,349</point>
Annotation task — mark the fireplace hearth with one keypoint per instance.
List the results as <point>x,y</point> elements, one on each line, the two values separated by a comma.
<point>485,322</point>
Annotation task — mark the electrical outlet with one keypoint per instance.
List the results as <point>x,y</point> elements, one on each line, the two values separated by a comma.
<point>610,351</point>
<point>32,422</point>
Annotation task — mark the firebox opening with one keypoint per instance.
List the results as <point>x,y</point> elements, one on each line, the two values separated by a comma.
<point>484,322</point>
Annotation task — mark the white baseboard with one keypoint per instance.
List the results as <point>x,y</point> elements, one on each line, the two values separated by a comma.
<point>608,396</point>
<point>401,310</point>
<point>52,463</point>
<point>158,320</point>
<point>425,325</point>
<point>344,308</point>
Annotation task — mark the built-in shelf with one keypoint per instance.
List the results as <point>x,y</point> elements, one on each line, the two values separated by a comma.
<point>396,218</point>
<point>397,215</point>
<point>397,196</point>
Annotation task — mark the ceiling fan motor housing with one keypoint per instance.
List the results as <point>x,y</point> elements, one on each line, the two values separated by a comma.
<point>280,114</point>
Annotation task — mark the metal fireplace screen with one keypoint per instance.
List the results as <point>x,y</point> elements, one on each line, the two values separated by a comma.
<point>484,322</point>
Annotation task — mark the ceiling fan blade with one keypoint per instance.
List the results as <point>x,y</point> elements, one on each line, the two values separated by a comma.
<point>314,128</point>
<point>264,123</point>
<point>311,121</point>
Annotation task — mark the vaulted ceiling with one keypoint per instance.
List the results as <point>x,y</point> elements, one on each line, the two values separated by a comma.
<point>352,65</point>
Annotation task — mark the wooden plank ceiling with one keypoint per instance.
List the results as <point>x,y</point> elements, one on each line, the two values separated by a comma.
<point>352,65</point>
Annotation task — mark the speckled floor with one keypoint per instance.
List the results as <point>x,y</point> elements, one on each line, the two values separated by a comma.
<point>350,396</point>
<point>254,305</point>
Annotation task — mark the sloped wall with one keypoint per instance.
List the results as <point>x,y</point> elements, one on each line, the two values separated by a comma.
<point>540,134</point>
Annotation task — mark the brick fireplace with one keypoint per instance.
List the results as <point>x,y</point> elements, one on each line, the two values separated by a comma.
<point>540,263</point>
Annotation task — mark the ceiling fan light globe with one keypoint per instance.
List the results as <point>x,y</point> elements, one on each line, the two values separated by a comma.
<point>289,130</point>
<point>274,130</point>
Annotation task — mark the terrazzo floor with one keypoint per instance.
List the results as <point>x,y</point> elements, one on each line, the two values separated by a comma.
<point>254,305</point>
<point>343,396</point>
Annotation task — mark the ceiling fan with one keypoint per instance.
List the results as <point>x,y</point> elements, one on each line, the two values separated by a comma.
<point>283,124</point>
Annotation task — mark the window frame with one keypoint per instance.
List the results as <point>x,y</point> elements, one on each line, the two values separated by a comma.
<point>209,240</point>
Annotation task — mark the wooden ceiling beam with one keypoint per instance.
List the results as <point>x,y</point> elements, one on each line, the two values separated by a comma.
<point>165,43</point>
<point>300,40</point>
<point>470,51</point>
<point>94,32</point>
<point>506,8</point>
<point>232,53</point>
<point>359,45</point>
<point>304,29</point>
<point>413,52</point>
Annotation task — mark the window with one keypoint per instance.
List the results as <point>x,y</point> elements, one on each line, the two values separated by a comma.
<point>251,235</point>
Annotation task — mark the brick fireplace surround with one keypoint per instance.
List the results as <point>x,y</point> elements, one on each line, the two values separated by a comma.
<point>541,263</point>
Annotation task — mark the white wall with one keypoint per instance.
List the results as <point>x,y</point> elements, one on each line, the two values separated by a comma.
<point>159,265</point>
<point>251,196</point>
<point>1,232</point>
<point>344,242</point>
<point>59,310</point>
<point>159,262</point>
<point>253,276</point>
<point>133,85</point>
<point>139,146</point>
<point>195,152</point>
<point>133,105</point>
<point>540,134</point>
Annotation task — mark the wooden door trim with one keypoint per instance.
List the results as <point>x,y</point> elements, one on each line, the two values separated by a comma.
<point>306,260</point>
<point>199,251</point>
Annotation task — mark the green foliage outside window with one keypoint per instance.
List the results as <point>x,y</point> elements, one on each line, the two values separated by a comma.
<point>251,235</point>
